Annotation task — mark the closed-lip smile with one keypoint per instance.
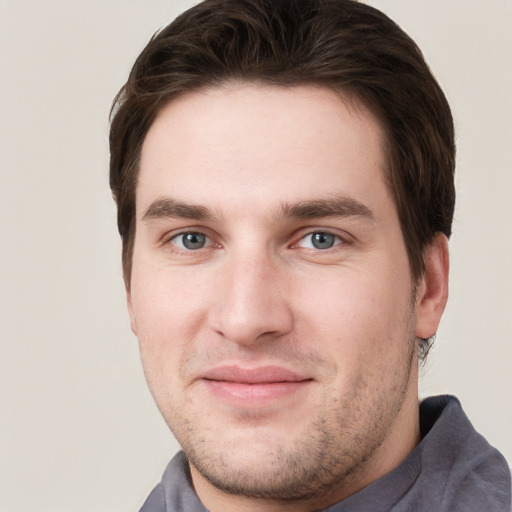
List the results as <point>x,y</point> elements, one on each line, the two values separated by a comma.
<point>253,386</point>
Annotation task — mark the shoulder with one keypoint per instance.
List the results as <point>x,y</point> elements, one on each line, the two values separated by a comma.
<point>461,468</point>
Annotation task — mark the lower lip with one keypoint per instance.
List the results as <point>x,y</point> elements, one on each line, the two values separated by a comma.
<point>242,394</point>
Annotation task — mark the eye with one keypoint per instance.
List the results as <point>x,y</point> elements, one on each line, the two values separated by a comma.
<point>319,240</point>
<point>190,241</point>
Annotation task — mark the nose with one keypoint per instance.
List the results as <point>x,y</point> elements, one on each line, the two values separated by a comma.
<point>251,301</point>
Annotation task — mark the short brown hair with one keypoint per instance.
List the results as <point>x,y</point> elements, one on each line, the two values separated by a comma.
<point>344,45</point>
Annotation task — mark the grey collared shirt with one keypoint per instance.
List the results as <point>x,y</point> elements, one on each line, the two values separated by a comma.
<point>453,469</point>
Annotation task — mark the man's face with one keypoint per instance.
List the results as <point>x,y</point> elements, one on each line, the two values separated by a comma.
<point>271,291</point>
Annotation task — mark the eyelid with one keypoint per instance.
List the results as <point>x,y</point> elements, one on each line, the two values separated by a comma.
<point>169,234</point>
<point>208,240</point>
<point>212,240</point>
<point>168,237</point>
<point>343,236</point>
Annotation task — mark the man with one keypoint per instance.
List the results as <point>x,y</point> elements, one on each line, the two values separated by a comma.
<point>283,172</point>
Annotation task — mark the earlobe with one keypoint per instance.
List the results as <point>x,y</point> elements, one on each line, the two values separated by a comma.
<point>133,323</point>
<point>432,292</point>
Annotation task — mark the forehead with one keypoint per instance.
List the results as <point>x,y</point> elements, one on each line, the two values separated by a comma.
<point>241,144</point>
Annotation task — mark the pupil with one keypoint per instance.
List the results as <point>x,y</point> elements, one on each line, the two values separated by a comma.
<point>194,240</point>
<point>323,240</point>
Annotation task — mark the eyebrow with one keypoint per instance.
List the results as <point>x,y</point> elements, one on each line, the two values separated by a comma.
<point>170,208</point>
<point>329,207</point>
<point>311,209</point>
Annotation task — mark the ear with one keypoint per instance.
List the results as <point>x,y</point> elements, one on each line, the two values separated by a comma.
<point>131,313</point>
<point>432,291</point>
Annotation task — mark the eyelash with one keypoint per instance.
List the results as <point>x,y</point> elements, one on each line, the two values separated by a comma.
<point>191,232</point>
<point>337,240</point>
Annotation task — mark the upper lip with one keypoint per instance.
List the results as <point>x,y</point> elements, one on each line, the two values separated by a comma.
<point>259,375</point>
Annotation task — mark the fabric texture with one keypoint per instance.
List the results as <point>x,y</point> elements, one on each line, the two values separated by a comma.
<point>453,469</point>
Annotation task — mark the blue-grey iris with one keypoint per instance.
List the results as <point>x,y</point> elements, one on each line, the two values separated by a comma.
<point>194,240</point>
<point>322,240</point>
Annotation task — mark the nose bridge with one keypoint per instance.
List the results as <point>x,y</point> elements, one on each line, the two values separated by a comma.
<point>251,298</point>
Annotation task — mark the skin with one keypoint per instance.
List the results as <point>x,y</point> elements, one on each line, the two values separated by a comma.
<point>263,172</point>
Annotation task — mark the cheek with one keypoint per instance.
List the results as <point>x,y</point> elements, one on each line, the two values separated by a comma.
<point>360,317</point>
<point>166,302</point>
<point>361,299</point>
<point>168,313</point>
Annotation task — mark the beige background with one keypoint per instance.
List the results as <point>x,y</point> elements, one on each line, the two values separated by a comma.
<point>78,428</point>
